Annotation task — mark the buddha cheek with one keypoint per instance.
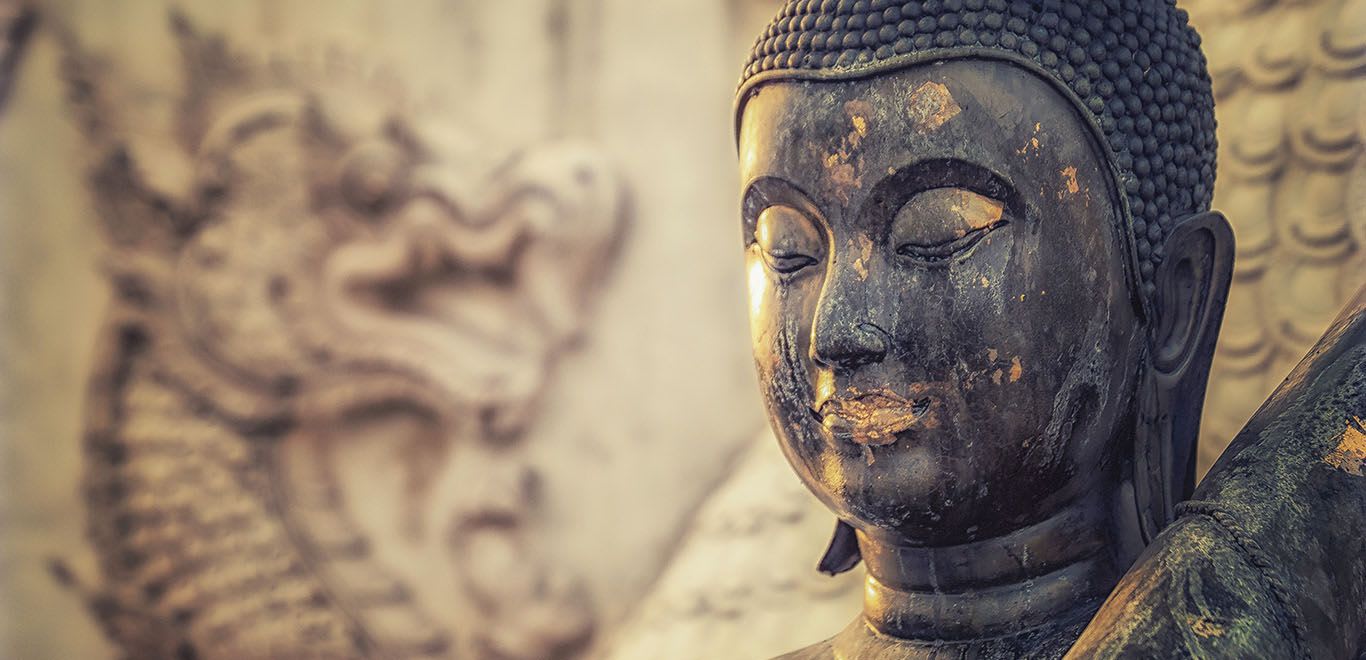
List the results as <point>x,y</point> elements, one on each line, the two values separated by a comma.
<point>762,312</point>
<point>771,328</point>
<point>780,327</point>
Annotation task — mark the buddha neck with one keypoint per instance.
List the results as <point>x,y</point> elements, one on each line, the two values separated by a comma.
<point>1049,572</point>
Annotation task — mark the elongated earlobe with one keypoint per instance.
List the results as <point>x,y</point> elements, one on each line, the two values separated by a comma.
<point>843,554</point>
<point>1192,287</point>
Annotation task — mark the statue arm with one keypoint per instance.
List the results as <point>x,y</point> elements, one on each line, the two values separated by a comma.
<point>1268,558</point>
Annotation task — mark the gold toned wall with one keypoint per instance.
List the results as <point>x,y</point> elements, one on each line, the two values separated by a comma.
<point>1289,86</point>
<point>425,323</point>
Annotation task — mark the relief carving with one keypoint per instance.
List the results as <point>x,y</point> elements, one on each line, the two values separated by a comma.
<point>17,21</point>
<point>306,266</point>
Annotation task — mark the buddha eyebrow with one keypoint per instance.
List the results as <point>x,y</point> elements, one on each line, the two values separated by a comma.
<point>939,173</point>
<point>898,187</point>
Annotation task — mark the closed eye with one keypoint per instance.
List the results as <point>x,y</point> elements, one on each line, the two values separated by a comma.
<point>788,263</point>
<point>941,224</point>
<point>943,251</point>
<point>787,239</point>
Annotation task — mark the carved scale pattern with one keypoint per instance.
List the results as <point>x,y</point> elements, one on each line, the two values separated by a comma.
<point>188,533</point>
<point>1289,85</point>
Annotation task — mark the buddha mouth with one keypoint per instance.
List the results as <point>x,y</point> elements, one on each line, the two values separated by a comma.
<point>871,418</point>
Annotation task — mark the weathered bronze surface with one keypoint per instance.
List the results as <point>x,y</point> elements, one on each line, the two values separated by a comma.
<point>1267,558</point>
<point>985,287</point>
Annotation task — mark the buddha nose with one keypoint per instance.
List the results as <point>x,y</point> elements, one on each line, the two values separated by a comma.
<point>848,344</point>
<point>845,333</point>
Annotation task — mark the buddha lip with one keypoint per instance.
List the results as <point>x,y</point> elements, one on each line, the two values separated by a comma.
<point>871,418</point>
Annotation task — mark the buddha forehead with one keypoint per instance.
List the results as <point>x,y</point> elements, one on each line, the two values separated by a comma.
<point>838,140</point>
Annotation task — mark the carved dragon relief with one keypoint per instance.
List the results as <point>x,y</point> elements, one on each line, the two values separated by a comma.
<point>299,269</point>
<point>17,21</point>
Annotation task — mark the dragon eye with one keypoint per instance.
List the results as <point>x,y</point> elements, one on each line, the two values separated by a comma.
<point>371,176</point>
<point>942,223</point>
<point>787,239</point>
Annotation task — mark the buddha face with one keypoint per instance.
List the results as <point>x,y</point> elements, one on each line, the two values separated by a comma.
<point>939,307</point>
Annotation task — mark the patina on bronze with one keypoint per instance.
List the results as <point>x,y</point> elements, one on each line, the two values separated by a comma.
<point>985,286</point>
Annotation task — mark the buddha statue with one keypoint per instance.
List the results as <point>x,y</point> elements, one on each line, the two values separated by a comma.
<point>985,286</point>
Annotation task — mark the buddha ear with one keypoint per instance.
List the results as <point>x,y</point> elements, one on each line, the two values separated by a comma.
<point>1192,286</point>
<point>843,553</point>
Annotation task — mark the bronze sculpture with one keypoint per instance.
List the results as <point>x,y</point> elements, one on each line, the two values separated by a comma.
<point>985,287</point>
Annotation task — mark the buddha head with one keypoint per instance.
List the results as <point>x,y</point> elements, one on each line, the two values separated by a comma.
<point>984,279</point>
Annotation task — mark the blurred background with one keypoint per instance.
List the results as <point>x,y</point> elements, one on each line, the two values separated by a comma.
<point>353,328</point>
